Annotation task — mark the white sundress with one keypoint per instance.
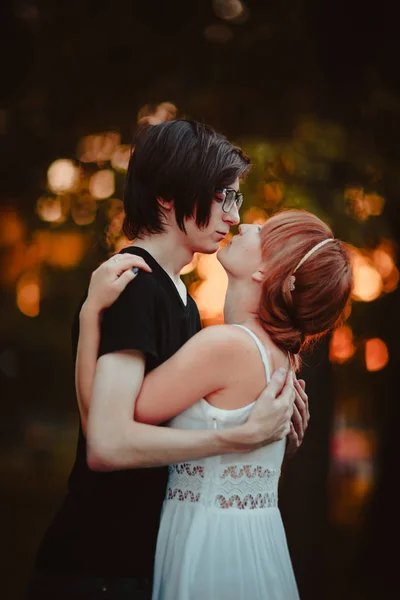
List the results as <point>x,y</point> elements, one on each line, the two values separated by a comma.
<point>221,535</point>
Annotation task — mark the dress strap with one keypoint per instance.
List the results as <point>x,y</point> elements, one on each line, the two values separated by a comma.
<point>261,349</point>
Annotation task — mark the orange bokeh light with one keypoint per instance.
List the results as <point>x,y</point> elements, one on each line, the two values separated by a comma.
<point>12,229</point>
<point>341,346</point>
<point>210,294</point>
<point>28,294</point>
<point>368,283</point>
<point>64,250</point>
<point>376,354</point>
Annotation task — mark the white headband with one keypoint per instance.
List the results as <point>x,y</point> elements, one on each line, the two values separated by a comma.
<point>309,253</point>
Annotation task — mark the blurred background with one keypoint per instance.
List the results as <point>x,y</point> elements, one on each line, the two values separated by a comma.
<point>311,91</point>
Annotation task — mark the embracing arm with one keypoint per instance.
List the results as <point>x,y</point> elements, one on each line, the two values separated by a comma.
<point>86,359</point>
<point>106,284</point>
<point>115,441</point>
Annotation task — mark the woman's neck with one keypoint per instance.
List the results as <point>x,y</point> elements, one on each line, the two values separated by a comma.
<point>241,303</point>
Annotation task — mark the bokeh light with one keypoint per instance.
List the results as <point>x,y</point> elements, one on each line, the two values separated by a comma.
<point>102,184</point>
<point>12,228</point>
<point>98,148</point>
<point>84,209</point>
<point>341,346</point>
<point>368,283</point>
<point>362,206</point>
<point>28,294</point>
<point>255,215</point>
<point>61,249</point>
<point>210,294</point>
<point>230,10</point>
<point>376,354</point>
<point>120,158</point>
<point>62,176</point>
<point>50,209</point>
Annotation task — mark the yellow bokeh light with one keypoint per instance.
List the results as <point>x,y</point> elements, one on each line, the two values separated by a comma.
<point>28,294</point>
<point>62,176</point>
<point>50,209</point>
<point>102,184</point>
<point>376,354</point>
<point>120,158</point>
<point>341,346</point>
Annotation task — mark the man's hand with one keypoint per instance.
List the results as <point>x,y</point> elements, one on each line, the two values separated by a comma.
<point>300,418</point>
<point>269,420</point>
<point>111,278</point>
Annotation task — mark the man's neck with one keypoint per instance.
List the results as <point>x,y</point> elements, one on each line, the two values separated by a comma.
<point>167,249</point>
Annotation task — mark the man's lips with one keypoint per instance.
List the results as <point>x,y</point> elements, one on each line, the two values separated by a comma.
<point>226,239</point>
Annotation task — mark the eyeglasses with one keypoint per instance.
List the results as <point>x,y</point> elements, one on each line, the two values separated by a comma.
<point>229,197</point>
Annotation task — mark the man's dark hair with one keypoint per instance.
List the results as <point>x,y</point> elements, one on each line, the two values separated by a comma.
<point>180,161</point>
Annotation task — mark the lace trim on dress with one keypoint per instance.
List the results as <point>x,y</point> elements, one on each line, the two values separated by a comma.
<point>185,482</point>
<point>246,487</point>
<point>249,502</point>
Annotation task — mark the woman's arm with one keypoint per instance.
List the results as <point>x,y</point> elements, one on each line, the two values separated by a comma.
<point>116,441</point>
<point>207,363</point>
<point>106,284</point>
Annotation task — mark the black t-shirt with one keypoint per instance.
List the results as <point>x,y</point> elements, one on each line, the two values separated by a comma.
<point>107,525</point>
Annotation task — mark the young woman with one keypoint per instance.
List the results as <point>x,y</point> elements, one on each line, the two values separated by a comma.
<point>221,533</point>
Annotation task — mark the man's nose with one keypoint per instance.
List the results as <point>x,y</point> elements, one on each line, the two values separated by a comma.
<point>232,217</point>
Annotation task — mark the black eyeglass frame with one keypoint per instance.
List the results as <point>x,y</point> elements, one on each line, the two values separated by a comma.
<point>231,197</point>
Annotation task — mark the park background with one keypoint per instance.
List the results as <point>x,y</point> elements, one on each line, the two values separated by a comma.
<point>311,91</point>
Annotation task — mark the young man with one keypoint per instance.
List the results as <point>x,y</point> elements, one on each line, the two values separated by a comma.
<point>102,542</point>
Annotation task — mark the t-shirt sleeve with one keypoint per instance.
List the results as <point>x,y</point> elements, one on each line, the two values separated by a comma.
<point>130,323</point>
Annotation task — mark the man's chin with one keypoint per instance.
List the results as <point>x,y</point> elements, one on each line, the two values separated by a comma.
<point>211,248</point>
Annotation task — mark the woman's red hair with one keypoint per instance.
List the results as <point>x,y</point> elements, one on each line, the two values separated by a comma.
<point>323,282</point>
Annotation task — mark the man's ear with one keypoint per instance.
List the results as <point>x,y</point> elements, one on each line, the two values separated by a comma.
<point>258,276</point>
<point>165,204</point>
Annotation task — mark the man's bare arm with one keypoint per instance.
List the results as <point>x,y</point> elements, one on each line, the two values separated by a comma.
<point>115,441</point>
<point>106,284</point>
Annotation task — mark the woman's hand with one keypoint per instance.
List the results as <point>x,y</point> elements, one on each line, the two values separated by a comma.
<point>111,278</point>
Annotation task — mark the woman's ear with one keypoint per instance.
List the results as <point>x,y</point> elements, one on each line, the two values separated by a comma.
<point>258,276</point>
